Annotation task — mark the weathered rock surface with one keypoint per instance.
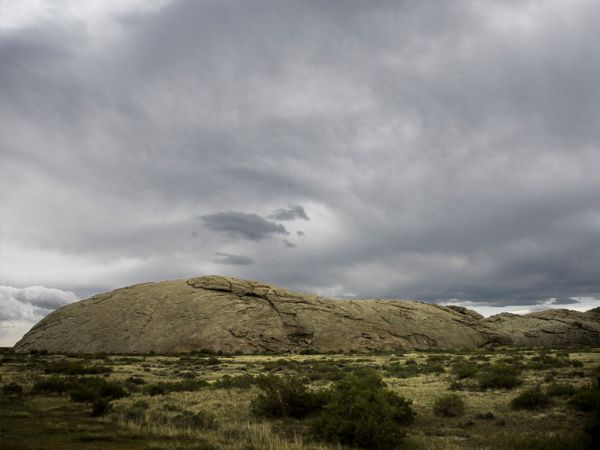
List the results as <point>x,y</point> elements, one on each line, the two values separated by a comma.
<point>233,315</point>
<point>549,328</point>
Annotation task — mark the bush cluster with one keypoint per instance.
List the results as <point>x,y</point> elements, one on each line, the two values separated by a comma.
<point>545,361</point>
<point>360,411</point>
<point>449,405</point>
<point>499,376</point>
<point>286,397</point>
<point>357,410</point>
<point>463,369</point>
<point>201,420</point>
<point>244,381</point>
<point>191,360</point>
<point>313,370</point>
<point>438,358</point>
<point>560,389</point>
<point>101,407</point>
<point>95,390</point>
<point>135,380</point>
<point>411,368</point>
<point>586,400</point>
<point>164,387</point>
<point>67,367</point>
<point>92,389</point>
<point>530,399</point>
<point>135,413</point>
<point>52,385</point>
<point>12,389</point>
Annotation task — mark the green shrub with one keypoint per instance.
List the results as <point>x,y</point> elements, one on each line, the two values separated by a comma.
<point>479,358</point>
<point>89,389</point>
<point>52,385</point>
<point>360,411</point>
<point>432,368</point>
<point>13,389</point>
<point>541,441</point>
<point>464,370</point>
<point>499,376</point>
<point>486,415</point>
<point>398,370</point>
<point>163,387</point>
<point>66,367</point>
<point>593,429</point>
<point>586,400</point>
<point>456,386</point>
<point>95,388</point>
<point>533,398</point>
<point>560,389</point>
<point>201,420</point>
<point>280,364</point>
<point>135,380</point>
<point>550,375</point>
<point>512,360</point>
<point>313,370</point>
<point>324,370</point>
<point>244,381</point>
<point>286,397</point>
<point>412,369</point>
<point>135,413</point>
<point>545,361</point>
<point>100,407</point>
<point>437,358</point>
<point>449,405</point>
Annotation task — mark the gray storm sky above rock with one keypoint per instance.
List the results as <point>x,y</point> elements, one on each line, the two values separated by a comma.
<point>447,151</point>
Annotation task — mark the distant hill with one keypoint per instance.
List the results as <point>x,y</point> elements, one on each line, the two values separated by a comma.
<point>232,315</point>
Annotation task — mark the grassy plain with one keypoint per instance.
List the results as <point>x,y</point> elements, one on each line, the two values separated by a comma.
<point>202,401</point>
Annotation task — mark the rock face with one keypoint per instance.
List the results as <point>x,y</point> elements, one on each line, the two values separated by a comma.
<point>550,328</point>
<point>232,315</point>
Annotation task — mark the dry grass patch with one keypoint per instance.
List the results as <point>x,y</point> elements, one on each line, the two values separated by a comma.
<point>213,418</point>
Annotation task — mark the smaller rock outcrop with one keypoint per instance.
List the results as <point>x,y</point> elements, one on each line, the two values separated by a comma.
<point>549,328</point>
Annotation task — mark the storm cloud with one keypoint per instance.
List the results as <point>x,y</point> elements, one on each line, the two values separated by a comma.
<point>291,213</point>
<point>233,260</point>
<point>444,151</point>
<point>245,225</point>
<point>565,301</point>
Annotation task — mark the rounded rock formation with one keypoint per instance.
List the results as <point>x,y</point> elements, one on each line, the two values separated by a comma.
<point>225,314</point>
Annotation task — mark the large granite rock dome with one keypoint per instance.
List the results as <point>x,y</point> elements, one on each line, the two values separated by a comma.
<point>232,315</point>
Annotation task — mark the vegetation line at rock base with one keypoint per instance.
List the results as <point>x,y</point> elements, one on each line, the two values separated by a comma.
<point>497,398</point>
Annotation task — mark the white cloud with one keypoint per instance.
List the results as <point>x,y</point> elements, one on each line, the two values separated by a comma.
<point>31,303</point>
<point>96,14</point>
<point>21,308</point>
<point>12,330</point>
<point>585,304</point>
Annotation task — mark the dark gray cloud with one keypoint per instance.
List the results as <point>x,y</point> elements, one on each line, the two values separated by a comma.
<point>233,260</point>
<point>443,150</point>
<point>288,243</point>
<point>241,224</point>
<point>565,301</point>
<point>291,213</point>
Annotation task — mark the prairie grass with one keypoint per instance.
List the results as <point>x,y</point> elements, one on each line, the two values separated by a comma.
<point>206,400</point>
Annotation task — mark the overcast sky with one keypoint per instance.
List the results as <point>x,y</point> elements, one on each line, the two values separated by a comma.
<point>442,151</point>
